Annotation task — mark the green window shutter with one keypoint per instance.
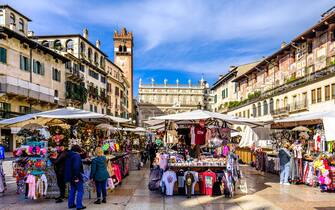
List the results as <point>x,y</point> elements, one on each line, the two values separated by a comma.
<point>28,64</point>
<point>227,92</point>
<point>59,76</point>
<point>21,63</point>
<point>42,69</point>
<point>34,67</point>
<point>3,55</point>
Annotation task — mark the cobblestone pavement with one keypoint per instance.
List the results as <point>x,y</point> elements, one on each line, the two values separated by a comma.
<point>264,192</point>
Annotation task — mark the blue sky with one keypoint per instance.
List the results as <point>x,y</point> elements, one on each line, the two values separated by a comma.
<point>180,38</point>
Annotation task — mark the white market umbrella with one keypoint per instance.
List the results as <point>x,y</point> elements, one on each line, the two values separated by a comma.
<point>204,115</point>
<point>301,129</point>
<point>32,126</point>
<point>105,126</point>
<point>43,118</point>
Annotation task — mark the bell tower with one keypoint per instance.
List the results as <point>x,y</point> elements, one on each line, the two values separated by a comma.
<point>123,58</point>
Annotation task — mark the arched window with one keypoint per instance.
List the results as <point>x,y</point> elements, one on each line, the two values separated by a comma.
<point>89,53</point>
<point>271,105</point>
<point>12,19</point>
<point>265,108</point>
<point>101,61</point>
<point>285,102</point>
<point>124,49</point>
<point>57,45</point>
<point>254,111</point>
<point>120,48</point>
<point>277,104</point>
<point>21,25</point>
<point>45,43</point>
<point>69,44</point>
<point>259,109</point>
<point>82,47</point>
<point>95,57</point>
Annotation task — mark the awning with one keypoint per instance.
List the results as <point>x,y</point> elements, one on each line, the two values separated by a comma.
<point>204,115</point>
<point>63,113</point>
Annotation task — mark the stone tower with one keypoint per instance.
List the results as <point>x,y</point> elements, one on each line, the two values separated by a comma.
<point>123,57</point>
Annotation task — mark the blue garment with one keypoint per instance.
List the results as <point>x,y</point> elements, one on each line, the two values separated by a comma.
<point>101,187</point>
<point>284,172</point>
<point>2,152</point>
<point>73,167</point>
<point>76,188</point>
<point>99,169</point>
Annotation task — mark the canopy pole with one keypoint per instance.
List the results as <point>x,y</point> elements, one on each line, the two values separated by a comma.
<point>165,131</point>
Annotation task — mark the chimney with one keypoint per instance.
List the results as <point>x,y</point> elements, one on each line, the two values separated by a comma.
<point>283,44</point>
<point>97,44</point>
<point>85,33</point>
<point>30,33</point>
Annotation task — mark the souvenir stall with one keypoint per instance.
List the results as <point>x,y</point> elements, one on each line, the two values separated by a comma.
<point>312,140</point>
<point>206,165</point>
<point>43,135</point>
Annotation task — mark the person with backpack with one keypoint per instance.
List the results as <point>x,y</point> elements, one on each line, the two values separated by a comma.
<point>99,174</point>
<point>74,175</point>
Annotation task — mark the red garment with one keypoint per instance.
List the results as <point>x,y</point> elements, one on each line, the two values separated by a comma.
<point>117,172</point>
<point>200,135</point>
<point>207,180</point>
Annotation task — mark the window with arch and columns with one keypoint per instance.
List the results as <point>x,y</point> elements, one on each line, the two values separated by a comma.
<point>12,19</point>
<point>259,109</point>
<point>21,25</point>
<point>254,110</point>
<point>69,44</point>
<point>265,107</point>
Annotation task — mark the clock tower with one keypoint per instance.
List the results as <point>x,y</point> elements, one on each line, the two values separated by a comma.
<point>123,58</point>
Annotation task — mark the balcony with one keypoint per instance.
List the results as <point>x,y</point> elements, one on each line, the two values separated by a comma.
<point>16,87</point>
<point>290,85</point>
<point>280,112</point>
<point>74,75</point>
<point>299,106</point>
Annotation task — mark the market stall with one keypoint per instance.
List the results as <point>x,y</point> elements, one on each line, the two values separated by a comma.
<point>44,134</point>
<point>196,157</point>
<point>312,144</point>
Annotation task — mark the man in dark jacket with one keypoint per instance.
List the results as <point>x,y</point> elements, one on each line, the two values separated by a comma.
<point>284,161</point>
<point>59,165</point>
<point>74,174</point>
<point>152,149</point>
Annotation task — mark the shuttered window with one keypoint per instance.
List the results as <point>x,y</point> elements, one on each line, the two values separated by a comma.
<point>56,75</point>
<point>24,63</point>
<point>38,67</point>
<point>3,55</point>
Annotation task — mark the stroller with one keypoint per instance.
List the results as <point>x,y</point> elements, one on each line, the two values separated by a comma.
<point>155,179</point>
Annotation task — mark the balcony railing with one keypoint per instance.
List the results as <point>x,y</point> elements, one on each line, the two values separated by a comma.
<point>74,73</point>
<point>300,82</point>
<point>280,111</point>
<point>15,86</point>
<point>299,106</point>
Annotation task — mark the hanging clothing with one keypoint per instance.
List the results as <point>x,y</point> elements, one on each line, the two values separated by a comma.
<point>42,185</point>
<point>189,186</point>
<point>31,181</point>
<point>208,179</point>
<point>200,135</point>
<point>168,180</point>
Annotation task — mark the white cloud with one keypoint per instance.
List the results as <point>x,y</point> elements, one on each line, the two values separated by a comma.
<point>173,23</point>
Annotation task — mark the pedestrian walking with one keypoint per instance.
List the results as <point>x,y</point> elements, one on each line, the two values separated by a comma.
<point>74,175</point>
<point>152,149</point>
<point>59,166</point>
<point>99,174</point>
<point>284,161</point>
